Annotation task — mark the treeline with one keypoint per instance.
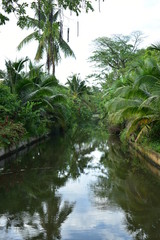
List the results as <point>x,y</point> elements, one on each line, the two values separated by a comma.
<point>130,81</point>
<point>34,103</point>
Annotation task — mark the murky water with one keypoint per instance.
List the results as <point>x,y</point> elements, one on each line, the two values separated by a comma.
<point>80,186</point>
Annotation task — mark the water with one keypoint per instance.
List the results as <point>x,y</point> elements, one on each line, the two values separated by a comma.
<point>79,186</point>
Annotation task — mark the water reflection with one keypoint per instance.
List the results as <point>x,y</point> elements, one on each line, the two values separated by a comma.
<point>79,186</point>
<point>128,185</point>
<point>30,206</point>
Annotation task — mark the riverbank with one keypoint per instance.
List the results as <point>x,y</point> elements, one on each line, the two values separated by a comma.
<point>150,155</point>
<point>8,151</point>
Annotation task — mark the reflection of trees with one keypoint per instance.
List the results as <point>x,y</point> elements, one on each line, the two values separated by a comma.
<point>52,215</point>
<point>29,184</point>
<point>31,200</point>
<point>134,189</point>
<point>83,142</point>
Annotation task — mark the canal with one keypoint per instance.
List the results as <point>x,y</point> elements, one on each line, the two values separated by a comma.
<point>80,186</point>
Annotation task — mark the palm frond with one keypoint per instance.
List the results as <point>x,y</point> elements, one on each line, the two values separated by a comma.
<point>130,112</point>
<point>149,80</point>
<point>27,39</point>
<point>140,122</point>
<point>32,22</point>
<point>68,52</point>
<point>37,94</point>
<point>21,64</point>
<point>150,101</point>
<point>144,130</point>
<point>24,85</point>
<point>131,92</point>
<point>121,103</point>
<point>50,81</point>
<point>155,46</point>
<point>40,50</point>
<point>46,103</point>
<point>57,98</point>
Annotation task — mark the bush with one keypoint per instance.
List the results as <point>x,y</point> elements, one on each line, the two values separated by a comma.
<point>32,120</point>
<point>11,133</point>
<point>8,103</point>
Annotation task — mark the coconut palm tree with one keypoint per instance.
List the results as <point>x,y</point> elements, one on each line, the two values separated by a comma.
<point>13,73</point>
<point>76,86</point>
<point>37,88</point>
<point>42,89</point>
<point>137,102</point>
<point>48,33</point>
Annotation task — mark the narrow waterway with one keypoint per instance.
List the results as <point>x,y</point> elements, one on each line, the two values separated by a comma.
<point>81,186</point>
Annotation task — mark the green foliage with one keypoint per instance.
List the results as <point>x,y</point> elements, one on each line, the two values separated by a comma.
<point>79,99</point>
<point>48,33</point>
<point>81,111</point>
<point>38,104</point>
<point>112,55</point>
<point>132,100</point>
<point>3,19</point>
<point>77,86</point>
<point>11,133</point>
<point>19,8</point>
<point>31,119</point>
<point>14,73</point>
<point>8,103</point>
<point>15,6</point>
<point>76,5</point>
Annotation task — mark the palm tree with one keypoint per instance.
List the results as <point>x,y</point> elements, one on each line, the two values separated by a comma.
<point>77,86</point>
<point>13,73</point>
<point>48,33</point>
<point>42,90</point>
<point>137,102</point>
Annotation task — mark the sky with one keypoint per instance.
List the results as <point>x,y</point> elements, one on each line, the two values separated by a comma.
<point>114,17</point>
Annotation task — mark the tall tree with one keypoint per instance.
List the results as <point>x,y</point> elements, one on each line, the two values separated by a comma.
<point>113,54</point>
<point>47,31</point>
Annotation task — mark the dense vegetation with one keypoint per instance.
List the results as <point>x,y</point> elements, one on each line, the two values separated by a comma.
<point>130,80</point>
<point>33,103</point>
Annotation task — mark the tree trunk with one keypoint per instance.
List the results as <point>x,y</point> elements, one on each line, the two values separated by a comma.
<point>53,68</point>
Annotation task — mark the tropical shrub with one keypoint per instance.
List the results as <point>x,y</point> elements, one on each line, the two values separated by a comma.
<point>11,133</point>
<point>79,95</point>
<point>31,119</point>
<point>8,103</point>
<point>135,100</point>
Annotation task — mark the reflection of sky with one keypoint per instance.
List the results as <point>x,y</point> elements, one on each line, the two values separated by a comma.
<point>28,231</point>
<point>87,221</point>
